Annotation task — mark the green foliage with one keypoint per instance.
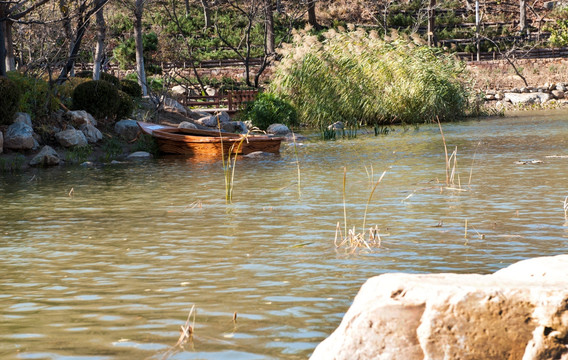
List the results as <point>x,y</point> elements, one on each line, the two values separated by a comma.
<point>9,100</point>
<point>37,98</point>
<point>98,97</point>
<point>87,74</point>
<point>125,53</point>
<point>147,143</point>
<point>112,148</point>
<point>559,35</point>
<point>79,154</point>
<point>357,78</point>
<point>268,109</point>
<point>65,90</point>
<point>125,105</point>
<point>131,87</point>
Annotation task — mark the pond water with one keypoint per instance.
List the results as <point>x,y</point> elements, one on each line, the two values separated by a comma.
<point>106,262</point>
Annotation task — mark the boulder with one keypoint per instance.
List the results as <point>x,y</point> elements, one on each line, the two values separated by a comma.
<point>127,129</point>
<point>527,98</point>
<point>187,125</point>
<point>170,104</point>
<point>46,157</point>
<point>71,138</point>
<point>520,312</point>
<point>79,118</point>
<point>23,118</point>
<point>19,136</point>
<point>92,134</point>
<point>223,116</point>
<point>234,127</point>
<point>196,115</point>
<point>560,87</point>
<point>209,121</point>
<point>558,94</point>
<point>278,129</point>
<point>139,155</point>
<point>179,90</point>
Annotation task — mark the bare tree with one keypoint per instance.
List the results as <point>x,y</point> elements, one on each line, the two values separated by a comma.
<point>269,26</point>
<point>522,16</point>
<point>206,13</point>
<point>138,11</point>
<point>312,18</point>
<point>100,47</point>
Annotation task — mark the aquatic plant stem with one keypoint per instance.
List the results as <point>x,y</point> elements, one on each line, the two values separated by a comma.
<point>298,166</point>
<point>446,152</point>
<point>344,206</point>
<point>370,197</point>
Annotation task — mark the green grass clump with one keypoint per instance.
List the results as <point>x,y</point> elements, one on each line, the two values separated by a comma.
<point>9,100</point>
<point>87,74</point>
<point>37,98</point>
<point>358,78</point>
<point>268,109</point>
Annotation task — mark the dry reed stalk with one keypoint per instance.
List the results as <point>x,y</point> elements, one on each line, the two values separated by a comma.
<point>472,161</point>
<point>566,208</point>
<point>187,329</point>
<point>298,166</point>
<point>446,152</point>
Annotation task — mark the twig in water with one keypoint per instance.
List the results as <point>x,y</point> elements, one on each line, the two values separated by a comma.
<point>71,192</point>
<point>566,208</point>
<point>187,329</point>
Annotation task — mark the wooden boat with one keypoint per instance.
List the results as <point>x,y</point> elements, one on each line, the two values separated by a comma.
<point>173,140</point>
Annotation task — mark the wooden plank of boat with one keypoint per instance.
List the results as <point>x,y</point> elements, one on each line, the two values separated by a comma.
<point>174,140</point>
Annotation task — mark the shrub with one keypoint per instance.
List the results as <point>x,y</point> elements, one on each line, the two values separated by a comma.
<point>37,98</point>
<point>9,100</point>
<point>125,105</point>
<point>65,90</point>
<point>98,97</point>
<point>103,76</point>
<point>358,78</point>
<point>269,109</point>
<point>131,87</point>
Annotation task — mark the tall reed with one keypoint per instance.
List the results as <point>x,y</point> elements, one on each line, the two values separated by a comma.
<point>358,78</point>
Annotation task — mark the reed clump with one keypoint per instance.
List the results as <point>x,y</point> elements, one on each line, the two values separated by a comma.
<point>362,79</point>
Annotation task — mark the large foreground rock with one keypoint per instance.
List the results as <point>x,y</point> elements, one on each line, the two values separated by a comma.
<point>520,312</point>
<point>19,136</point>
<point>127,129</point>
<point>71,138</point>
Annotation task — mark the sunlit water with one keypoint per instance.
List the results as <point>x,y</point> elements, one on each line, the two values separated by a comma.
<point>111,269</point>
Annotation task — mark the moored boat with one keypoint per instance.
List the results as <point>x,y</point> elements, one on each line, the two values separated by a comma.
<point>173,140</point>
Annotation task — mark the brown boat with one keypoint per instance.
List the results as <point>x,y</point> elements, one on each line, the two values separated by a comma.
<point>173,140</point>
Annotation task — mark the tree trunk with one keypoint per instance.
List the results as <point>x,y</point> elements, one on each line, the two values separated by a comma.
<point>9,46</point>
<point>186,7</point>
<point>312,19</point>
<point>522,16</point>
<point>2,50</point>
<point>138,10</point>
<point>269,27</point>
<point>74,47</point>
<point>206,14</point>
<point>100,47</point>
<point>432,23</point>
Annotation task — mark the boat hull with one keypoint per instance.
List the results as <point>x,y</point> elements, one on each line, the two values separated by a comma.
<point>172,140</point>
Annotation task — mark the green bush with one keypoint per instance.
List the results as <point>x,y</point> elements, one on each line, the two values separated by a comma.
<point>357,78</point>
<point>268,109</point>
<point>37,98</point>
<point>103,76</point>
<point>98,97</point>
<point>9,100</point>
<point>125,105</point>
<point>65,90</point>
<point>131,87</point>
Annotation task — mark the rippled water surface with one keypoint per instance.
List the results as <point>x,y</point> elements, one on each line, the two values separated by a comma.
<point>111,269</point>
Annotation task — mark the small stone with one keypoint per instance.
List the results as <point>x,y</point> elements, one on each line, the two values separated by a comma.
<point>338,125</point>
<point>499,96</point>
<point>560,87</point>
<point>46,157</point>
<point>558,94</point>
<point>139,155</point>
<point>278,129</point>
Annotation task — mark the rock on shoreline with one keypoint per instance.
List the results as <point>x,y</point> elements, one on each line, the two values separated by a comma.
<point>520,312</point>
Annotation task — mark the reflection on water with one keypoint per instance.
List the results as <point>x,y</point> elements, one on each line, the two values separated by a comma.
<point>112,271</point>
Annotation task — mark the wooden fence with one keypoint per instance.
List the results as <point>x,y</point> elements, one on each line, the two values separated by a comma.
<point>232,101</point>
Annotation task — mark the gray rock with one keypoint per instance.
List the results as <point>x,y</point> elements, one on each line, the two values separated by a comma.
<point>170,104</point>
<point>499,96</point>
<point>23,118</point>
<point>278,129</point>
<point>139,155</point>
<point>179,90</point>
<point>259,154</point>
<point>187,125</point>
<point>223,116</point>
<point>234,127</point>
<point>92,134</point>
<point>560,87</point>
<point>196,115</point>
<point>558,94</point>
<point>338,125</point>
<point>71,138</point>
<point>1,142</point>
<point>46,157</point>
<point>19,136</point>
<point>527,98</point>
<point>209,121</point>
<point>79,118</point>
<point>210,91</point>
<point>519,312</point>
<point>127,129</point>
